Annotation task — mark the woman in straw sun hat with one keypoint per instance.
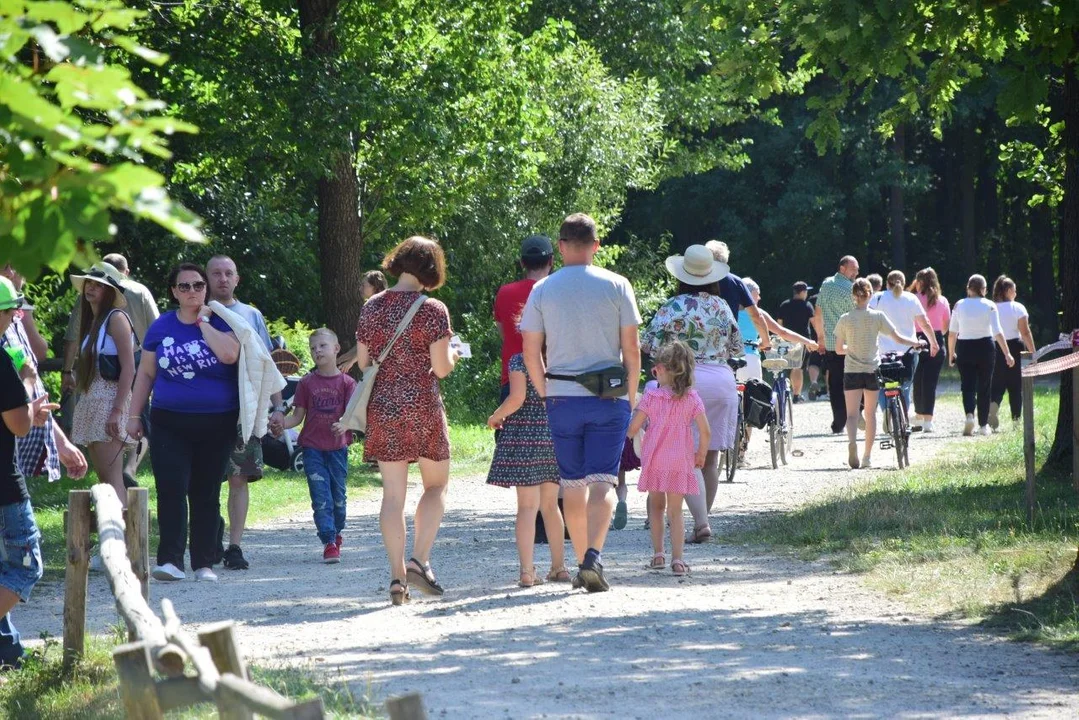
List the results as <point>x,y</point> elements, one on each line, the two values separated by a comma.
<point>699,317</point>
<point>106,340</point>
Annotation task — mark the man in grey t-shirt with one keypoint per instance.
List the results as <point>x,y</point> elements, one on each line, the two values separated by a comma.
<point>588,318</point>
<point>245,465</point>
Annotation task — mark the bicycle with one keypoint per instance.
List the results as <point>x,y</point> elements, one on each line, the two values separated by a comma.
<point>892,373</point>
<point>730,455</point>
<point>781,426</point>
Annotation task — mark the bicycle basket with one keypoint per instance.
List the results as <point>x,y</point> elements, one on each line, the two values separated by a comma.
<point>757,403</point>
<point>895,372</point>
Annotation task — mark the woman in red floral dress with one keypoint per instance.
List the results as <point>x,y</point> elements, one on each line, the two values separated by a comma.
<point>406,421</point>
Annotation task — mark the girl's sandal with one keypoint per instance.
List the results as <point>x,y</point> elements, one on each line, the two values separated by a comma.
<point>560,575</point>
<point>424,578</point>
<point>399,594</point>
<point>679,568</point>
<point>530,579</point>
<point>658,562</point>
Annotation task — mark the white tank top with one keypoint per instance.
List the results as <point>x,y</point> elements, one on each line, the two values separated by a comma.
<point>105,344</point>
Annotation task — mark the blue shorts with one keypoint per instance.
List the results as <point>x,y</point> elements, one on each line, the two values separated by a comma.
<point>20,551</point>
<point>588,434</point>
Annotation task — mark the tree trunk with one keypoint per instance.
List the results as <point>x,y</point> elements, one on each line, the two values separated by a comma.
<point>988,221</point>
<point>1061,452</point>
<point>1043,280</point>
<point>340,236</point>
<point>899,243</point>
<point>968,164</point>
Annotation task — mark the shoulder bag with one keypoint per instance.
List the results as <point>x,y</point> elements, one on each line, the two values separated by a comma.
<point>108,366</point>
<point>355,417</point>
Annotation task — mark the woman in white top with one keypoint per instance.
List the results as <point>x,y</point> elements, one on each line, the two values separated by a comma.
<point>856,336</point>
<point>1015,322</point>
<point>908,316</point>
<point>974,325</point>
<point>100,419</point>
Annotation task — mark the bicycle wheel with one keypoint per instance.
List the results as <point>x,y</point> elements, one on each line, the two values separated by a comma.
<point>905,424</point>
<point>731,456</point>
<point>896,431</point>
<point>773,442</point>
<point>788,427</point>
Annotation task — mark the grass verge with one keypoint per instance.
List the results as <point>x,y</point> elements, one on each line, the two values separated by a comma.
<point>41,691</point>
<point>950,537</point>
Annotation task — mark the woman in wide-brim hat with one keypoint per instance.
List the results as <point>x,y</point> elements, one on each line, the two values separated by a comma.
<point>700,317</point>
<point>101,411</point>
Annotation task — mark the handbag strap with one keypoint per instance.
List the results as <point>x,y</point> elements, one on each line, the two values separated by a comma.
<point>401,328</point>
<point>104,330</point>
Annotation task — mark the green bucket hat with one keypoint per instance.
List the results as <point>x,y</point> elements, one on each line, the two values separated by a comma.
<point>9,297</point>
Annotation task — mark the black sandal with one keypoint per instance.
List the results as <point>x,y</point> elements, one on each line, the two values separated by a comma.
<point>424,578</point>
<point>399,593</point>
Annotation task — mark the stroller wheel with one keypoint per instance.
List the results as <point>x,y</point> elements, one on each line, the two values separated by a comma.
<point>297,461</point>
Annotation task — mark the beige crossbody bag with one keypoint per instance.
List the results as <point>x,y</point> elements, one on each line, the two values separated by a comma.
<point>355,417</point>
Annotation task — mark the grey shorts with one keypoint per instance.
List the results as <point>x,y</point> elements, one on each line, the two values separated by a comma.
<point>20,549</point>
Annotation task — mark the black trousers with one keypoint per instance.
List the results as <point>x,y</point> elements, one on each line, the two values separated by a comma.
<point>926,377</point>
<point>1009,378</point>
<point>833,364</point>
<point>189,453</point>
<point>975,360</point>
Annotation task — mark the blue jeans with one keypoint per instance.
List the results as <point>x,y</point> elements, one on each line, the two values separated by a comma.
<point>327,471</point>
<point>911,361</point>
<point>20,568</point>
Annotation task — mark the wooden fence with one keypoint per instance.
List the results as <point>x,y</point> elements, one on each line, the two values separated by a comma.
<point>151,666</point>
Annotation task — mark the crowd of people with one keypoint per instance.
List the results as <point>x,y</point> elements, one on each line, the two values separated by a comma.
<point>197,388</point>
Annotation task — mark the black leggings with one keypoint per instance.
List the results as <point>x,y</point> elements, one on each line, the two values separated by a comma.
<point>975,360</point>
<point>1010,379</point>
<point>833,363</point>
<point>926,376</point>
<point>189,453</point>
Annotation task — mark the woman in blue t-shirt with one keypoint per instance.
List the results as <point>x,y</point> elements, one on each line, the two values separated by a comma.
<point>189,361</point>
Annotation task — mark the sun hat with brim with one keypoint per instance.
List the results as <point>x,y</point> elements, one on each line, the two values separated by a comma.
<point>697,266</point>
<point>105,274</point>
<point>10,298</point>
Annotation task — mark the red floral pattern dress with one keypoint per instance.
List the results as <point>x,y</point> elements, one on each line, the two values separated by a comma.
<point>405,416</point>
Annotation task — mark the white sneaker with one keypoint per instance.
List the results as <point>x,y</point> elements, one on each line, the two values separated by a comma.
<point>927,426</point>
<point>865,463</point>
<point>205,575</point>
<point>968,426</point>
<point>167,572</point>
<point>994,415</point>
<point>985,430</point>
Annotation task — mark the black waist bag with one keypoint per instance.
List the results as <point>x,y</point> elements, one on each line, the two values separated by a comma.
<point>757,403</point>
<point>606,383</point>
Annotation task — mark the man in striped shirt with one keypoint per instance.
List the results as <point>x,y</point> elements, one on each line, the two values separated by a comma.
<point>833,300</point>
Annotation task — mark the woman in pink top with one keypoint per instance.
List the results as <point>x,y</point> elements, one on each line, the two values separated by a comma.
<point>670,459</point>
<point>926,286</point>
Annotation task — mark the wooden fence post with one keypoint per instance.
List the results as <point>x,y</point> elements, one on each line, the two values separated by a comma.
<point>137,536</point>
<point>1028,437</point>
<point>406,707</point>
<point>221,643</point>
<point>137,688</point>
<point>76,576</point>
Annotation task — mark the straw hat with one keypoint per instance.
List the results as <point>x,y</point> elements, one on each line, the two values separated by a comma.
<point>697,266</point>
<point>105,274</point>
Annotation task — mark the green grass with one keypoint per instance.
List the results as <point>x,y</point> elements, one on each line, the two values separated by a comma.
<point>42,691</point>
<point>951,537</point>
<point>278,494</point>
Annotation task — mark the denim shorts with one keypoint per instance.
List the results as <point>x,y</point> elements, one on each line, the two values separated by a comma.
<point>588,435</point>
<point>20,551</point>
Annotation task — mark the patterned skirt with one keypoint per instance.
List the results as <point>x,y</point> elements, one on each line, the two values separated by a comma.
<point>524,455</point>
<point>92,413</point>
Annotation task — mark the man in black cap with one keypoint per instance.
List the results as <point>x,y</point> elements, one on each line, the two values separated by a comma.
<point>537,255</point>
<point>795,314</point>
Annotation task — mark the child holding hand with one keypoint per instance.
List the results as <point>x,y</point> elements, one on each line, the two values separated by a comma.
<point>320,401</point>
<point>668,455</point>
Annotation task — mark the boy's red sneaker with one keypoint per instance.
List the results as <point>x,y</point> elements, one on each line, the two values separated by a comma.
<point>331,553</point>
<point>338,541</point>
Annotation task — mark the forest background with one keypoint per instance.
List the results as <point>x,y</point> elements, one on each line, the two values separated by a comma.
<point>310,136</point>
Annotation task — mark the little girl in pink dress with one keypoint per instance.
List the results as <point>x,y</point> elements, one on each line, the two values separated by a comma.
<point>669,456</point>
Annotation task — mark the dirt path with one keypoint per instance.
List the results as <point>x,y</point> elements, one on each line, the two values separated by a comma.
<point>749,634</point>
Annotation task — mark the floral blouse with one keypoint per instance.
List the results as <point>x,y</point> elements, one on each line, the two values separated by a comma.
<point>702,321</point>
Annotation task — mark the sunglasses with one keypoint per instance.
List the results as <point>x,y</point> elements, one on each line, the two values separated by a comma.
<point>197,286</point>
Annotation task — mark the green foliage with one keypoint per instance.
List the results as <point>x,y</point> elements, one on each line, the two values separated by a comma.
<point>75,130</point>
<point>297,335</point>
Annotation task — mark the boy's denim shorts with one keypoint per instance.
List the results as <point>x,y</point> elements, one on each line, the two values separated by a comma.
<point>20,551</point>
<point>588,435</point>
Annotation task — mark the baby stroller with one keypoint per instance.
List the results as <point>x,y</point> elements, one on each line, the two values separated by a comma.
<point>283,453</point>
